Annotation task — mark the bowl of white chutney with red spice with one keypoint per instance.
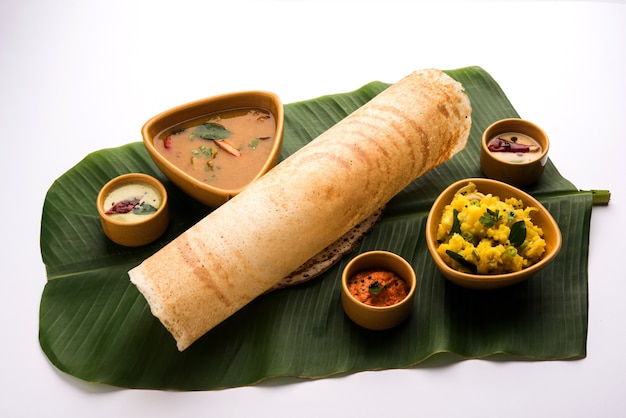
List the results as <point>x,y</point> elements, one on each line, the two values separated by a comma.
<point>514,151</point>
<point>133,209</point>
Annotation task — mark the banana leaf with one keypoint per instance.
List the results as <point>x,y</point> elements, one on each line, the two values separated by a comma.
<point>96,326</point>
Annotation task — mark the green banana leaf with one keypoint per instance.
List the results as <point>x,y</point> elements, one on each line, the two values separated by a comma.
<point>95,325</point>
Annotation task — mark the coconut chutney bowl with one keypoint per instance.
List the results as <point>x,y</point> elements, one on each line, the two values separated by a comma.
<point>133,209</point>
<point>377,290</point>
<point>525,235</point>
<point>514,151</point>
<point>214,148</point>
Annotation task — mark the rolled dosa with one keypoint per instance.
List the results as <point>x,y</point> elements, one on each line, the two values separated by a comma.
<point>304,204</point>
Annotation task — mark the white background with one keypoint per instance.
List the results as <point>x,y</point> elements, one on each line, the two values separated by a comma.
<point>79,76</point>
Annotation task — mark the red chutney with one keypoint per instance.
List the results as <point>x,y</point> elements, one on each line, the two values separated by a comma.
<point>378,287</point>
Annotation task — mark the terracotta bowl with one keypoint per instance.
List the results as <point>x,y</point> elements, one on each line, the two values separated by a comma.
<point>137,230</point>
<point>516,173</point>
<point>541,217</point>
<point>375,317</point>
<point>205,193</point>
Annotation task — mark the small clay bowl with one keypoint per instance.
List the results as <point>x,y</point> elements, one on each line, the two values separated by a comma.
<point>128,229</point>
<point>204,192</point>
<point>519,174</point>
<point>540,217</point>
<point>375,317</point>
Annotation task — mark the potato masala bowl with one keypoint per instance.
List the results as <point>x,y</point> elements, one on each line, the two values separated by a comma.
<point>486,234</point>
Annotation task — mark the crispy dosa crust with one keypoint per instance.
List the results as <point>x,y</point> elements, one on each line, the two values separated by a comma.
<point>327,258</point>
<point>304,204</point>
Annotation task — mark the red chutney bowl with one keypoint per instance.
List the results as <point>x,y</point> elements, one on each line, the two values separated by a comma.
<point>378,317</point>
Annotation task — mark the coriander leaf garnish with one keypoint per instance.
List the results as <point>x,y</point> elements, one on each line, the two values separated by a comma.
<point>375,287</point>
<point>208,152</point>
<point>490,217</point>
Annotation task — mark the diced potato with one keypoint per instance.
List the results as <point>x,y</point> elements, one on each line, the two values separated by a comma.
<point>485,222</point>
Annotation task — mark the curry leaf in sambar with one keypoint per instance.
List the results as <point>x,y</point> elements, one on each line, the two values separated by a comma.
<point>212,130</point>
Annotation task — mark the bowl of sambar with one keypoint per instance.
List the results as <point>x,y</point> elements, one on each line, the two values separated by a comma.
<point>215,147</point>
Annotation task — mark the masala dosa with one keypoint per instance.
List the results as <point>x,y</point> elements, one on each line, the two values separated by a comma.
<point>304,204</point>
